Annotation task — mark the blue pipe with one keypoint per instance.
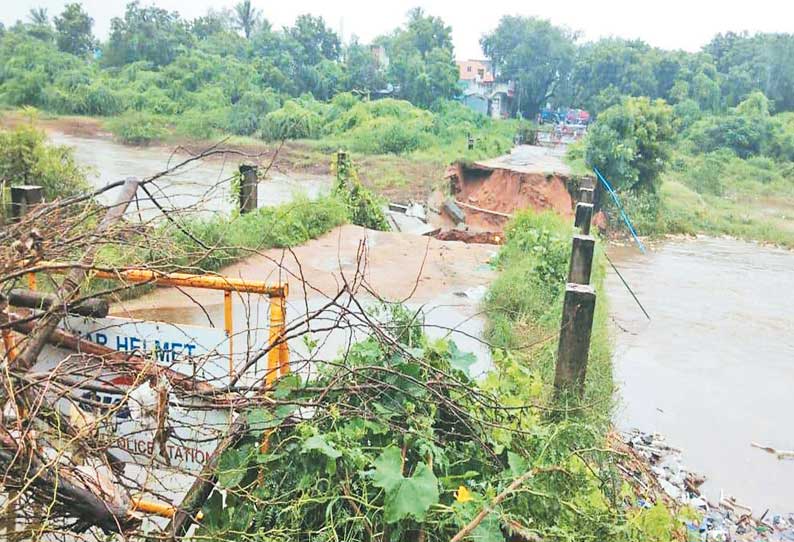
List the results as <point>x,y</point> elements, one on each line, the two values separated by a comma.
<point>620,208</point>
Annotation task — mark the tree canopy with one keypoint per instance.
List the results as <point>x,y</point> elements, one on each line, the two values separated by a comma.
<point>533,53</point>
<point>73,31</point>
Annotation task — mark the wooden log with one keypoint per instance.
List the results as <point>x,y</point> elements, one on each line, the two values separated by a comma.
<point>23,198</point>
<point>574,346</point>
<point>249,194</point>
<point>581,259</point>
<point>584,215</point>
<point>95,308</point>
<point>481,210</point>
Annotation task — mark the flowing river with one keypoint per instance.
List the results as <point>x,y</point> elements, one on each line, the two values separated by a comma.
<point>201,186</point>
<point>713,369</point>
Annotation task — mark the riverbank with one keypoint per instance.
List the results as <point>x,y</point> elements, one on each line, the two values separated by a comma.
<point>395,177</point>
<point>523,306</point>
<point>766,216</point>
<point>657,464</point>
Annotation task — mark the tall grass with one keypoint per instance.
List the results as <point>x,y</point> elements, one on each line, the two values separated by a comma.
<point>207,245</point>
<point>524,307</point>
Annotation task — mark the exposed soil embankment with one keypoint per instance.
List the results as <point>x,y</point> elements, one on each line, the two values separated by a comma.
<point>489,196</point>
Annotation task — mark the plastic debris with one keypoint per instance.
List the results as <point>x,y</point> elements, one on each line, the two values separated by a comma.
<point>725,521</point>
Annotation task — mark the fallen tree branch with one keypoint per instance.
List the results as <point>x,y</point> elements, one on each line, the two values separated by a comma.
<point>67,490</point>
<point>202,486</point>
<point>70,287</point>
<point>781,454</point>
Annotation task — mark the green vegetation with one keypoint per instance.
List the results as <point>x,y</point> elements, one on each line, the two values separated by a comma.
<point>405,445</point>
<point>138,128</point>
<point>157,63</point>
<point>363,208</point>
<point>27,158</point>
<point>159,76</point>
<point>725,173</point>
<point>524,307</point>
<point>210,244</point>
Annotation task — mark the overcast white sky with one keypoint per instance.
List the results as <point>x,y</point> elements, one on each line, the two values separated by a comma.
<point>672,24</point>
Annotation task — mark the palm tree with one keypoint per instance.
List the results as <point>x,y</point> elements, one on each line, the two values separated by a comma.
<point>246,17</point>
<point>39,16</point>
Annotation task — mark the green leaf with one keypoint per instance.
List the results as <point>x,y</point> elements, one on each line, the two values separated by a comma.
<point>261,420</point>
<point>489,530</point>
<point>212,510</point>
<point>388,469</point>
<point>461,361</point>
<point>231,468</point>
<point>405,497</point>
<point>518,465</point>
<point>319,444</point>
<point>286,385</point>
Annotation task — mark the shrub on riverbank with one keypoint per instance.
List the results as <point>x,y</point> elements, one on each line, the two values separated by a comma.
<point>26,157</point>
<point>137,128</point>
<point>228,239</point>
<point>524,307</point>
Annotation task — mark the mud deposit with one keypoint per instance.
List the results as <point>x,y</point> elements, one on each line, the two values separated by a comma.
<point>714,368</point>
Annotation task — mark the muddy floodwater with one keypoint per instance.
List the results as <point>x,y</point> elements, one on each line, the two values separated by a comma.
<point>446,281</point>
<point>201,186</point>
<point>714,368</point>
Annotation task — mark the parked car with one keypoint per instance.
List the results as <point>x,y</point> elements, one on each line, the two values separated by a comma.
<point>547,115</point>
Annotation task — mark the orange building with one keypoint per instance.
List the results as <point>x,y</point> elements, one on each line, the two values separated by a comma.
<point>475,70</point>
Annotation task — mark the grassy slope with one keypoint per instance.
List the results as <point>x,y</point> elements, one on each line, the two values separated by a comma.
<point>749,199</point>
<point>524,308</point>
<point>524,305</point>
<point>753,200</point>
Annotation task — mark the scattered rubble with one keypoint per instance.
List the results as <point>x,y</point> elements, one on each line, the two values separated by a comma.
<point>725,521</point>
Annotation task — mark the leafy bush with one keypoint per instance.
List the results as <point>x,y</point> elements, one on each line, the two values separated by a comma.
<point>389,136</point>
<point>247,115</point>
<point>644,209</point>
<point>201,124</point>
<point>534,260</point>
<point>363,208</point>
<point>292,121</point>
<point>687,112</point>
<point>742,135</point>
<point>27,158</point>
<point>137,128</point>
<point>631,142</point>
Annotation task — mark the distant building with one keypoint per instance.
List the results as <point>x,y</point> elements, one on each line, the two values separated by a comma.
<point>481,92</point>
<point>478,71</point>
<point>476,101</point>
